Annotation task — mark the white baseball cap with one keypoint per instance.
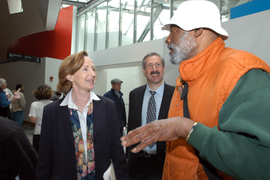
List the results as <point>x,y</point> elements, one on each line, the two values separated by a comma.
<point>197,14</point>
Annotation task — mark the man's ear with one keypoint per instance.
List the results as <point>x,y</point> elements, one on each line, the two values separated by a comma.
<point>198,32</point>
<point>144,72</point>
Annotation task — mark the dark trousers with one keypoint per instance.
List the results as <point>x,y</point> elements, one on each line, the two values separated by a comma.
<point>36,140</point>
<point>146,168</point>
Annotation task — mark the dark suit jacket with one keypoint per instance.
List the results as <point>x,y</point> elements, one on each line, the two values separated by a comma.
<point>17,156</point>
<point>120,106</point>
<point>57,159</point>
<point>134,121</point>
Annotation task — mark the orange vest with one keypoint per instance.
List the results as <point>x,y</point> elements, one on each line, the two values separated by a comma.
<point>211,76</point>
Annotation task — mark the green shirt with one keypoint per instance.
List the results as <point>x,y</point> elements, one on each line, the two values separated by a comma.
<point>241,148</point>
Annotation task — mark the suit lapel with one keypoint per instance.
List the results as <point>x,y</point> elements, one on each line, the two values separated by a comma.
<point>138,99</point>
<point>97,111</point>
<point>64,117</point>
<point>164,103</point>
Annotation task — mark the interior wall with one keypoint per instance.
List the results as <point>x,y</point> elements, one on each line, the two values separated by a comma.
<point>250,7</point>
<point>29,74</point>
<point>250,33</point>
<point>51,70</point>
<point>132,55</point>
<point>131,74</point>
<point>125,54</point>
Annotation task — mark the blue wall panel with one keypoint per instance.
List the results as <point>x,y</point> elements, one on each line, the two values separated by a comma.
<point>250,8</point>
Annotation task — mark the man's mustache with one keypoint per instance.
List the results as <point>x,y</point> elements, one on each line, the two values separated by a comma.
<point>155,72</point>
<point>171,47</point>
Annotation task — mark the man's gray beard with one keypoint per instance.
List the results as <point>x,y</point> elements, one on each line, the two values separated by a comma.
<point>181,51</point>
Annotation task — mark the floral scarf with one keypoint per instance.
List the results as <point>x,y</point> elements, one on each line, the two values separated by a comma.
<point>85,166</point>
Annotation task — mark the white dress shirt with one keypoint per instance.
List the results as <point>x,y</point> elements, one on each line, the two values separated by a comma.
<point>68,101</point>
<point>158,98</point>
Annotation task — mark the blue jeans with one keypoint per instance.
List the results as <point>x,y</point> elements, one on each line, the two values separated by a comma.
<point>17,117</point>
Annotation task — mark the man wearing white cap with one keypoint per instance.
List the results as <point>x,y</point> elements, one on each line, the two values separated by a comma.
<point>220,129</point>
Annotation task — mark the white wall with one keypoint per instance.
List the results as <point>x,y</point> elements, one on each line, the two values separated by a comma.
<point>125,63</point>
<point>51,70</point>
<point>131,56</point>
<point>125,54</point>
<point>250,33</point>
<point>131,74</point>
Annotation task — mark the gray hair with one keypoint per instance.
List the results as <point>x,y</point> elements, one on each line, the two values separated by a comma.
<point>152,54</point>
<point>2,81</point>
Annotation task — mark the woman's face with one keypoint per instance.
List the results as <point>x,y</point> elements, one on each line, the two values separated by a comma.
<point>84,78</point>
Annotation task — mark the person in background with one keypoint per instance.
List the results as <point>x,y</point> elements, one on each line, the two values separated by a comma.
<point>43,94</point>
<point>219,124</point>
<point>80,133</point>
<point>148,164</point>
<point>56,95</point>
<point>10,95</point>
<point>4,102</point>
<point>18,158</point>
<point>116,95</point>
<point>17,107</point>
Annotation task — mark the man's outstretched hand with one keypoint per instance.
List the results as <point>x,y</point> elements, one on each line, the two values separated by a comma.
<point>159,130</point>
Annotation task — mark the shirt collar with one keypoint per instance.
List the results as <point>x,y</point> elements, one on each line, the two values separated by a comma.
<point>159,90</point>
<point>68,101</point>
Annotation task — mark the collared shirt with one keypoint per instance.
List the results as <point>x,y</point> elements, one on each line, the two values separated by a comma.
<point>117,94</point>
<point>158,98</point>
<point>68,101</point>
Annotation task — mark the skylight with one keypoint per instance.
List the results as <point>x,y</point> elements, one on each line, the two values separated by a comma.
<point>15,6</point>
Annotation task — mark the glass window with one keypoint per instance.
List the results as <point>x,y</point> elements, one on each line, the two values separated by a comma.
<point>96,33</point>
<point>114,23</point>
<point>127,22</point>
<point>80,33</point>
<point>101,26</point>
<point>15,6</point>
<point>162,19</point>
<point>142,21</point>
<point>90,34</point>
